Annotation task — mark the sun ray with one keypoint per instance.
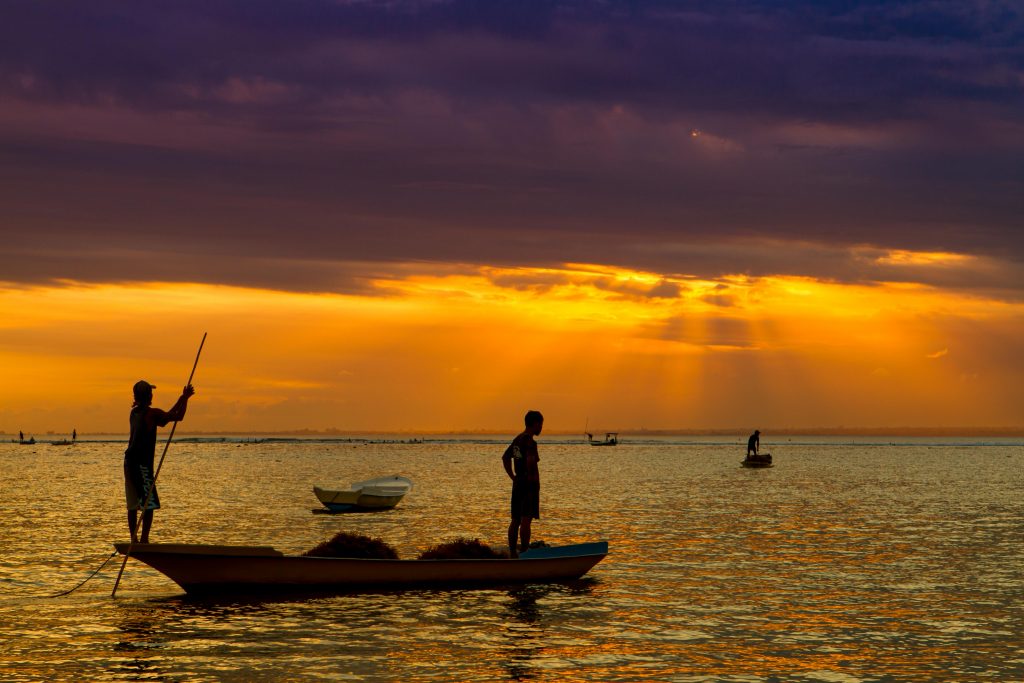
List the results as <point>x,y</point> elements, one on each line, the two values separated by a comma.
<point>471,347</point>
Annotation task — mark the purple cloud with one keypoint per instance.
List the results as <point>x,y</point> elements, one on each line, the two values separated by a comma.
<point>529,133</point>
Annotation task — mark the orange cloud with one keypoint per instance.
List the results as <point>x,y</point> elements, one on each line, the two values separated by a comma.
<point>901,257</point>
<point>470,347</point>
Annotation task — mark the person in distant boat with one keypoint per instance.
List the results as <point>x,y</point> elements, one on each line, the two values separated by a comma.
<point>74,435</point>
<point>521,464</point>
<point>752,443</point>
<point>138,458</point>
<point>21,435</point>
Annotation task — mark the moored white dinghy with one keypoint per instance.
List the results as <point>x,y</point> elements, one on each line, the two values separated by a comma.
<point>381,493</point>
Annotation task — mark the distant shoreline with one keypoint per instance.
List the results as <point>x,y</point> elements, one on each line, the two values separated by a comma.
<point>766,431</point>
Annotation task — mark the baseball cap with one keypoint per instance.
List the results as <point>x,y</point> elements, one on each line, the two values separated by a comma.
<point>143,387</point>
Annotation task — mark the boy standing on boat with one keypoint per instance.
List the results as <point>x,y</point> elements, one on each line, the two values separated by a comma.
<point>520,460</point>
<point>138,458</point>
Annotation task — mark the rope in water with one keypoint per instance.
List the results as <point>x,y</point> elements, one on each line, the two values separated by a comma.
<point>97,571</point>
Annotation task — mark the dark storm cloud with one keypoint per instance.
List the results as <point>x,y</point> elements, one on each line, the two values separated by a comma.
<point>772,56</point>
<point>532,133</point>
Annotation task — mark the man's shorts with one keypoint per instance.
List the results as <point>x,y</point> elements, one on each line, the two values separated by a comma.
<point>137,480</point>
<point>526,499</point>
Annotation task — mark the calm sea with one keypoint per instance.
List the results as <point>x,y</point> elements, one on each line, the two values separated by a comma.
<point>850,560</point>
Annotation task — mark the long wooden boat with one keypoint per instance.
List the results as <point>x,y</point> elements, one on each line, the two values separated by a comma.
<point>217,569</point>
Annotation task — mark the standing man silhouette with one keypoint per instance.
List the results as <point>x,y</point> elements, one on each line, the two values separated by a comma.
<point>139,477</point>
<point>520,461</point>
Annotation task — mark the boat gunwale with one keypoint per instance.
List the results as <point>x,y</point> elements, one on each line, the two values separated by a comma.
<point>268,552</point>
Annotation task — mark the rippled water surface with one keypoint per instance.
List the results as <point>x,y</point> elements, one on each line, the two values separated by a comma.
<point>844,562</point>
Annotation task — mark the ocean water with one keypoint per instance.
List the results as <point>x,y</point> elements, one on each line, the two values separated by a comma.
<point>850,560</point>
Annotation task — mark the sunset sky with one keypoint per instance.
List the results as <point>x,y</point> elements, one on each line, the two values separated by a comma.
<point>429,215</point>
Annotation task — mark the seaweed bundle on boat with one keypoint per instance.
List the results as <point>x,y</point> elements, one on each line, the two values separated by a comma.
<point>463,549</point>
<point>344,544</point>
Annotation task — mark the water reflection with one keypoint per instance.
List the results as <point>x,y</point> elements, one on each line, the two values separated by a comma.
<point>842,564</point>
<point>140,640</point>
<point>525,626</point>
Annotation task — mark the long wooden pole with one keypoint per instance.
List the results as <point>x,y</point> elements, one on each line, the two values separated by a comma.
<point>152,486</point>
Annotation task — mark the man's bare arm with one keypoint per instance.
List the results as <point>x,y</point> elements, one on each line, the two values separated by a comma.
<point>177,413</point>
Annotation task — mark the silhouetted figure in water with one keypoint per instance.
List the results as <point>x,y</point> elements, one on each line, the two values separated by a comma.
<point>139,477</point>
<point>753,442</point>
<point>520,460</point>
<point>74,435</point>
<point>21,435</point>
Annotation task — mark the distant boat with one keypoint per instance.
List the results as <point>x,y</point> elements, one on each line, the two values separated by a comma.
<point>65,442</point>
<point>760,460</point>
<point>382,493</point>
<point>218,569</point>
<point>610,439</point>
<point>28,442</point>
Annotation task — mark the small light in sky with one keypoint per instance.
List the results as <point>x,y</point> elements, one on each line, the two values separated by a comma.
<point>694,132</point>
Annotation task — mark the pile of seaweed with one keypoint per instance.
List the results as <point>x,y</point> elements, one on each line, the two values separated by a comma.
<point>463,549</point>
<point>353,545</point>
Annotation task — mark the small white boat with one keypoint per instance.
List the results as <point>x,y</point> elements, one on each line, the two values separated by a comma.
<point>381,493</point>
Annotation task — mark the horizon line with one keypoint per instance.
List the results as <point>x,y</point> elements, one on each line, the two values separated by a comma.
<point>1009,431</point>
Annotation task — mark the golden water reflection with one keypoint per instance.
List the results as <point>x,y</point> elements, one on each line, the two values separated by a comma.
<point>841,563</point>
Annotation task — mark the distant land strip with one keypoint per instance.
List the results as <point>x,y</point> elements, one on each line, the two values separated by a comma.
<point>740,432</point>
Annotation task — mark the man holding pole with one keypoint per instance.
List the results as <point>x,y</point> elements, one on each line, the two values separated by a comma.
<point>139,477</point>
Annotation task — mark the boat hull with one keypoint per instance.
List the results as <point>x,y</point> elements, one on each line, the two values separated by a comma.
<point>203,569</point>
<point>355,501</point>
